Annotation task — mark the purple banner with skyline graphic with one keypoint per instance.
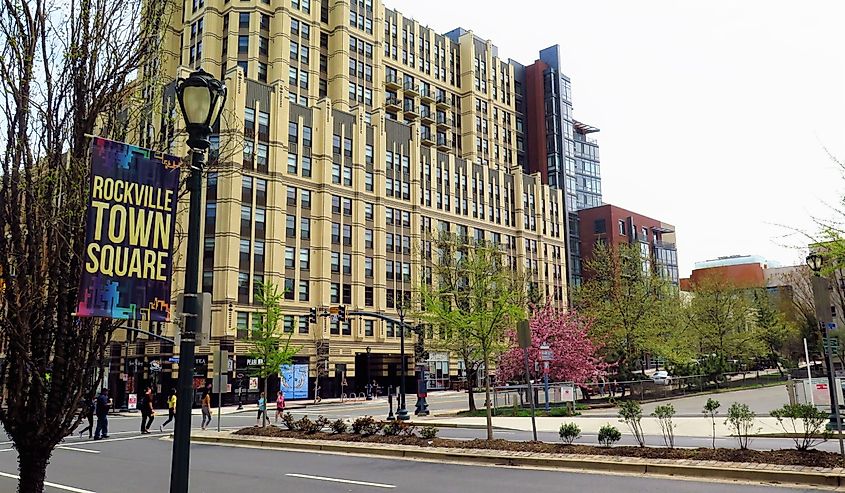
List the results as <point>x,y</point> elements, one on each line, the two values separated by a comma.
<point>131,219</point>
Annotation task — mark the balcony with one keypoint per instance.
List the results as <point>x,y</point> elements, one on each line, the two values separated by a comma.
<point>443,101</point>
<point>426,95</point>
<point>392,81</point>
<point>443,143</point>
<point>411,89</point>
<point>664,245</point>
<point>411,111</point>
<point>443,120</point>
<point>426,115</point>
<point>392,103</point>
<point>427,139</point>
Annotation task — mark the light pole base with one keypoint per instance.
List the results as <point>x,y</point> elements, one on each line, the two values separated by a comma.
<point>402,414</point>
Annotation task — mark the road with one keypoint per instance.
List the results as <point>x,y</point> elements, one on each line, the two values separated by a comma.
<point>135,464</point>
<point>761,401</point>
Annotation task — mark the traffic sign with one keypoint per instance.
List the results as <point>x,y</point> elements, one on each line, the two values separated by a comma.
<point>173,359</point>
<point>831,325</point>
<point>830,344</point>
<point>545,352</point>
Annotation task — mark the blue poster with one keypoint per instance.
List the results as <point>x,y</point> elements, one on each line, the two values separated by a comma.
<point>294,381</point>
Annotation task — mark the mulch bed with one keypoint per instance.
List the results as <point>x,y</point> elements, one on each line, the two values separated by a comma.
<point>810,458</point>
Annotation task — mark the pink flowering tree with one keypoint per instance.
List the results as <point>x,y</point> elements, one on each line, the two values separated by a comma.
<point>575,356</point>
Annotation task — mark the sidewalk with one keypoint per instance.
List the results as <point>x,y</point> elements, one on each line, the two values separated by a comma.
<point>689,427</point>
<point>290,405</point>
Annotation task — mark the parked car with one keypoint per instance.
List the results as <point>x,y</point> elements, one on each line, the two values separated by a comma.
<point>661,377</point>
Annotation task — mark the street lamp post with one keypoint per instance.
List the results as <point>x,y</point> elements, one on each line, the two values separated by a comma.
<point>201,99</point>
<point>368,387</point>
<point>402,411</point>
<point>821,295</point>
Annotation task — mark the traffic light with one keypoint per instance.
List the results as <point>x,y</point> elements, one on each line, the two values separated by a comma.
<point>312,315</point>
<point>341,313</point>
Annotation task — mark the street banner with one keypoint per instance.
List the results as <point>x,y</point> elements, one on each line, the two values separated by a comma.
<point>132,402</point>
<point>131,221</point>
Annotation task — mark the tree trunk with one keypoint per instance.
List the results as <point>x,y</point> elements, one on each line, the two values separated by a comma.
<point>32,465</point>
<point>472,375</point>
<point>487,402</point>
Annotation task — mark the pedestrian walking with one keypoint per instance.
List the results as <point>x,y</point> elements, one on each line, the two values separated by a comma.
<point>206,408</point>
<point>89,405</point>
<point>280,405</point>
<point>171,409</point>
<point>262,409</point>
<point>147,411</point>
<point>102,410</point>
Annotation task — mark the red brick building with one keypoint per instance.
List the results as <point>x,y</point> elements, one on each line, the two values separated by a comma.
<point>742,271</point>
<point>616,226</point>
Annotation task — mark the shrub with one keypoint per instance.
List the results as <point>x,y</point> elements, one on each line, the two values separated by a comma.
<point>741,421</point>
<point>608,435</point>
<point>711,408</point>
<point>289,421</point>
<point>632,415</point>
<point>664,415</point>
<point>569,432</point>
<point>428,432</point>
<point>339,426</point>
<point>397,427</point>
<point>366,425</point>
<point>808,418</point>
<point>305,425</point>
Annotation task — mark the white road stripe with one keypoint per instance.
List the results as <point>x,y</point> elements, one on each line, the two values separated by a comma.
<point>63,447</point>
<point>52,485</point>
<point>60,447</point>
<point>344,481</point>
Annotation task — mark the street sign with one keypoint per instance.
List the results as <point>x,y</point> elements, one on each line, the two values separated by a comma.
<point>219,382</point>
<point>545,353</point>
<point>831,326</point>
<point>334,310</point>
<point>173,359</point>
<point>133,401</point>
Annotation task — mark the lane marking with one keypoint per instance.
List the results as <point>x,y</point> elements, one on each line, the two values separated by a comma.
<point>60,447</point>
<point>338,480</point>
<point>78,449</point>
<point>122,439</point>
<point>52,485</point>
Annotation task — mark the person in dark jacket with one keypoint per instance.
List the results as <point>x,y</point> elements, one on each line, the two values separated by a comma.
<point>102,410</point>
<point>89,405</point>
<point>147,411</point>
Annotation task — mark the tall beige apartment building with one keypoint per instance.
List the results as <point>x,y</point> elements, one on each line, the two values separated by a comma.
<point>350,134</point>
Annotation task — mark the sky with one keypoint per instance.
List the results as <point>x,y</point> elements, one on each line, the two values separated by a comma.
<point>719,117</point>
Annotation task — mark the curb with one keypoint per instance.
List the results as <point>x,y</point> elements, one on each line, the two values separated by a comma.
<point>721,471</point>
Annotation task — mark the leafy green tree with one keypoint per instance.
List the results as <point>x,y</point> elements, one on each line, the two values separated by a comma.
<point>722,318</point>
<point>475,297</point>
<point>635,311</point>
<point>270,348</point>
<point>775,329</point>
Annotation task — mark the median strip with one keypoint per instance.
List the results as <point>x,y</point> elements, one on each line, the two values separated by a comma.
<point>713,470</point>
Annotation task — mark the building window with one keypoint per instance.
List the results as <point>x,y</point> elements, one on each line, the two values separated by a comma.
<point>305,228</point>
<point>334,293</point>
<point>290,288</point>
<point>303,290</point>
<point>243,45</point>
<point>290,254</point>
<point>368,266</point>
<point>303,325</point>
<point>304,258</point>
<point>288,324</point>
<point>368,328</point>
<point>347,294</point>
